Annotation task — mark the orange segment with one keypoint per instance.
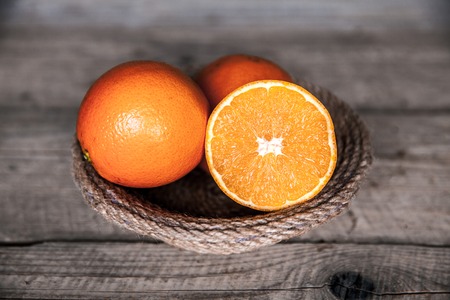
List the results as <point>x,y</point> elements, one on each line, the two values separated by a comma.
<point>270,144</point>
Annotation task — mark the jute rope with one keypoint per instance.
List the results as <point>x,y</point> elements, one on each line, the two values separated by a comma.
<point>193,214</point>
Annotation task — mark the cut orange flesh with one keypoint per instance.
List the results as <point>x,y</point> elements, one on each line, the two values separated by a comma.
<point>270,144</point>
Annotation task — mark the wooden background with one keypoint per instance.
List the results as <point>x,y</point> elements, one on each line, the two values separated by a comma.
<point>390,60</point>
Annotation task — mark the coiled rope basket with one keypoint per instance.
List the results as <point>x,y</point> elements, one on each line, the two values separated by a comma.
<point>193,213</point>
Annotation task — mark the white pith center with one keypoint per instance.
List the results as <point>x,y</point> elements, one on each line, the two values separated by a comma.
<point>273,146</point>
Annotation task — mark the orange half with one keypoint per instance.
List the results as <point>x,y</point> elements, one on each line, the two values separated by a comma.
<point>270,144</point>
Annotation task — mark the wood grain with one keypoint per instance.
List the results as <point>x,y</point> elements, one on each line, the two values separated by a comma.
<point>390,60</point>
<point>288,271</point>
<point>317,15</point>
<point>404,199</point>
<point>44,66</point>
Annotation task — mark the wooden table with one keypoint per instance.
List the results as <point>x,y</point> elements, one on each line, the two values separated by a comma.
<point>389,60</point>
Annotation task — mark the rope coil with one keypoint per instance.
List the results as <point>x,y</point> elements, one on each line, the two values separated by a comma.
<point>193,214</point>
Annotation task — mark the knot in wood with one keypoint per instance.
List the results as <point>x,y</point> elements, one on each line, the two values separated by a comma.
<point>351,285</point>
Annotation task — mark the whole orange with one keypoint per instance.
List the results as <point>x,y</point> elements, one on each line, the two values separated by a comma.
<point>142,124</point>
<point>227,73</point>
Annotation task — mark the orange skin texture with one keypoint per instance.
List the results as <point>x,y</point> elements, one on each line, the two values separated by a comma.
<point>224,75</point>
<point>227,73</point>
<point>142,124</point>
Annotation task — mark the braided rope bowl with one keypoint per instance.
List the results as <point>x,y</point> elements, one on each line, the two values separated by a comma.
<point>193,214</point>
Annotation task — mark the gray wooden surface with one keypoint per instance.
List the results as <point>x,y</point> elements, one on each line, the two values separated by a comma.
<point>390,60</point>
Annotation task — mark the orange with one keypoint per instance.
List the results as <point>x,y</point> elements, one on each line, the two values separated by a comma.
<point>142,124</point>
<point>227,73</point>
<point>270,144</point>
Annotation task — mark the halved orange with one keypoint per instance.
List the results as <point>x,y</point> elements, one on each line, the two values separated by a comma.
<point>270,144</point>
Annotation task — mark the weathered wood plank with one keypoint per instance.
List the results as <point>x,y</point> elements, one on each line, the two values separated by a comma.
<point>29,133</point>
<point>320,14</point>
<point>404,200</point>
<point>396,70</point>
<point>288,271</point>
<point>400,203</point>
<point>413,137</point>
